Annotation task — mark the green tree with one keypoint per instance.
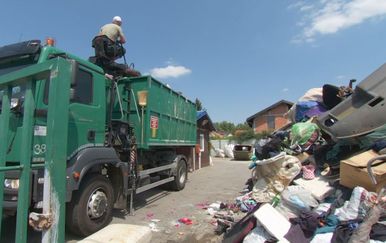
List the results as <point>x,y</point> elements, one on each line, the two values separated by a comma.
<point>243,126</point>
<point>198,104</point>
<point>244,136</point>
<point>225,126</point>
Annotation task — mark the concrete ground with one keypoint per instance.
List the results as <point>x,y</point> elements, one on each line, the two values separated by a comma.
<point>221,182</point>
<point>160,209</point>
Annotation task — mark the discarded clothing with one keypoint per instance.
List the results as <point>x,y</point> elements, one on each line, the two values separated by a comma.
<point>327,224</point>
<point>308,109</point>
<point>308,222</point>
<point>314,94</point>
<point>378,232</point>
<point>332,154</point>
<point>296,234</point>
<point>344,231</point>
<point>379,145</point>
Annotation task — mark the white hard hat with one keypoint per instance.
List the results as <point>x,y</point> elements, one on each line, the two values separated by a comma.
<point>117,18</point>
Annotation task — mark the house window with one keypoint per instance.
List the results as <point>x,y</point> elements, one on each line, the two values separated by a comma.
<point>271,122</point>
<point>202,142</point>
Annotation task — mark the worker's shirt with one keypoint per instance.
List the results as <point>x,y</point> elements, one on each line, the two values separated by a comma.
<point>112,31</point>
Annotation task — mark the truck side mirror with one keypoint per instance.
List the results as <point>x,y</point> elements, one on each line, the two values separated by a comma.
<point>72,94</point>
<point>75,70</point>
<point>74,74</point>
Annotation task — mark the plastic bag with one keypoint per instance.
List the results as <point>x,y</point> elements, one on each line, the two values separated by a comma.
<point>267,167</point>
<point>257,235</point>
<point>228,151</point>
<point>219,153</point>
<point>298,198</point>
<point>361,201</point>
<point>304,134</point>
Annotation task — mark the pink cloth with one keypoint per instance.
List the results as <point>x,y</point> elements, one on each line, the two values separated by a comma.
<point>308,172</point>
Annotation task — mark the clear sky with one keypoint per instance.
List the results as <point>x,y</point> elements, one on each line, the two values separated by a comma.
<point>237,57</point>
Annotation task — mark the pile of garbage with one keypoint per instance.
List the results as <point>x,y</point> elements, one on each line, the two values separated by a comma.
<point>227,152</point>
<point>322,178</point>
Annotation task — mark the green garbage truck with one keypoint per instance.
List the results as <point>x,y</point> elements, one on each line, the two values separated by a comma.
<point>73,137</point>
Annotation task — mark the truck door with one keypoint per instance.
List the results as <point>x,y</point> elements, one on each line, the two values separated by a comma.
<point>86,111</point>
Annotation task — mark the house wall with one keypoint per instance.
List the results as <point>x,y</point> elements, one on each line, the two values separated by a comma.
<point>260,123</point>
<point>204,153</point>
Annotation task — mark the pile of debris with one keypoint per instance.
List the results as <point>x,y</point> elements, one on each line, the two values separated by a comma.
<point>322,178</point>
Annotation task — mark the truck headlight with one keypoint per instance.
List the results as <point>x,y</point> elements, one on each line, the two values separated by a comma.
<point>11,183</point>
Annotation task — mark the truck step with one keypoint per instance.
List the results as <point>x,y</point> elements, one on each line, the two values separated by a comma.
<point>152,185</point>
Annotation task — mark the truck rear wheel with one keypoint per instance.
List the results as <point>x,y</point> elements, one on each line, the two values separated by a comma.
<point>181,176</point>
<point>91,207</point>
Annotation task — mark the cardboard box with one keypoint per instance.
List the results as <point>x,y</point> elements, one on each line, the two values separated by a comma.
<point>353,172</point>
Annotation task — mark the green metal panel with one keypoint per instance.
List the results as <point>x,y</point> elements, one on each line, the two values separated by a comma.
<point>168,119</point>
<point>54,197</point>
<point>59,71</point>
<point>4,124</point>
<point>25,161</point>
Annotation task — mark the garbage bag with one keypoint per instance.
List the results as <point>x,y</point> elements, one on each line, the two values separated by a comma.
<point>361,201</point>
<point>266,188</point>
<point>229,151</point>
<point>304,134</point>
<point>220,153</point>
<point>268,167</point>
<point>298,199</point>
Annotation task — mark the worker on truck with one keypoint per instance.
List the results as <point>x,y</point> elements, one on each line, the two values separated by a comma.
<point>108,48</point>
<point>114,31</point>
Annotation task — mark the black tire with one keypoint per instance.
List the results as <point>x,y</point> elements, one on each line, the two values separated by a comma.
<point>181,176</point>
<point>95,190</point>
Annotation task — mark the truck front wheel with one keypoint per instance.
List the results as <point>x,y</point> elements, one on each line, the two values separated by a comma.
<point>181,176</point>
<point>91,207</point>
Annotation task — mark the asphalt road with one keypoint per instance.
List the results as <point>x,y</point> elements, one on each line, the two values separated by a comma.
<point>221,182</point>
<point>161,209</point>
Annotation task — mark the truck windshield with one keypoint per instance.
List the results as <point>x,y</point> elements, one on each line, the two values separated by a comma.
<point>20,55</point>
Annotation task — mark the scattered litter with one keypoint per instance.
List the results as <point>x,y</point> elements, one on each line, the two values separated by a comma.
<point>224,216</point>
<point>211,211</point>
<point>216,206</point>
<point>175,223</point>
<point>213,222</point>
<point>149,216</point>
<point>202,205</point>
<point>153,227</point>
<point>186,221</point>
